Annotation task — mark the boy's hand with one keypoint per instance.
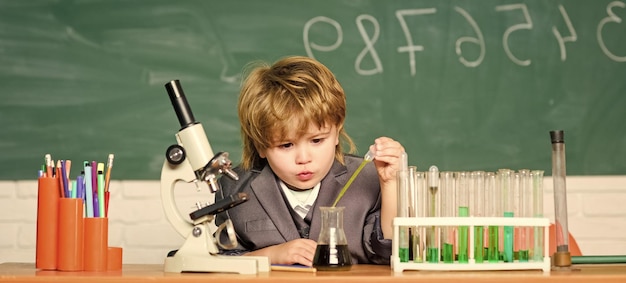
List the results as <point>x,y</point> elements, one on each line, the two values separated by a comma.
<point>299,251</point>
<point>387,159</point>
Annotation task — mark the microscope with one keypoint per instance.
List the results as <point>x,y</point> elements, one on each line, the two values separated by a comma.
<point>192,160</point>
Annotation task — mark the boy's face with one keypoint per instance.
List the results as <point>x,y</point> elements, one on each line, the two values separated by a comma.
<point>303,161</point>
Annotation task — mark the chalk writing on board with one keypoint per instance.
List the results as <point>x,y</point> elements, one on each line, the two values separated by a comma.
<point>562,40</point>
<point>611,18</point>
<point>411,47</point>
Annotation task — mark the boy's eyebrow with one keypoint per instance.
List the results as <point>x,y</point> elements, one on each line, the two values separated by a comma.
<point>278,138</point>
<point>321,130</point>
<point>321,133</point>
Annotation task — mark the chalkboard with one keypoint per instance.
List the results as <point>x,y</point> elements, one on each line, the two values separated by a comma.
<point>465,85</point>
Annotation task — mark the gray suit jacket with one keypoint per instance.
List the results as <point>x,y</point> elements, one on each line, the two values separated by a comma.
<point>265,219</point>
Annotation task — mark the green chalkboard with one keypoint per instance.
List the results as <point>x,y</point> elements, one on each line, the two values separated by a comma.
<point>465,85</point>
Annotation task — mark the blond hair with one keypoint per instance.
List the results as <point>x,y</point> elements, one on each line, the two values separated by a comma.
<point>296,87</point>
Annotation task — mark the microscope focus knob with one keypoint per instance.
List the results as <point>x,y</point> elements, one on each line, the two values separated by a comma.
<point>175,154</point>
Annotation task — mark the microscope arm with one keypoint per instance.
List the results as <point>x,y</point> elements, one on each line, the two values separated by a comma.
<point>170,175</point>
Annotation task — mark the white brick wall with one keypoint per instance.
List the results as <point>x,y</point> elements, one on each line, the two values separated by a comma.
<point>596,208</point>
<point>596,212</point>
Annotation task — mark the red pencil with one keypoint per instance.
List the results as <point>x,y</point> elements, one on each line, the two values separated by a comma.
<point>107,179</point>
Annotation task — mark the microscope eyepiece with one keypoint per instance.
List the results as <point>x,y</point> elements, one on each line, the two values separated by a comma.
<point>179,101</point>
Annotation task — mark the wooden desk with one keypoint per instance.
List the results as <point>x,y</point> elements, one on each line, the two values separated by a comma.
<point>26,272</point>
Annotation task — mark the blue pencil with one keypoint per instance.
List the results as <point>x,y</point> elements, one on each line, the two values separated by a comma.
<point>64,181</point>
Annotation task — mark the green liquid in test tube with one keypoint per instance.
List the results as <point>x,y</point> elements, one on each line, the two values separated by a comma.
<point>492,210</point>
<point>448,209</point>
<point>493,251</point>
<point>477,187</point>
<point>462,198</point>
<point>479,250</point>
<point>403,236</point>
<point>448,252</point>
<point>504,176</point>
<point>432,254</point>
<point>420,209</point>
<point>508,240</point>
<point>463,237</point>
<point>403,207</point>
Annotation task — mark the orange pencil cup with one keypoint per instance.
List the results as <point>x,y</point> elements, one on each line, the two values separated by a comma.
<point>70,241</point>
<point>96,243</point>
<point>48,195</point>
<point>114,259</point>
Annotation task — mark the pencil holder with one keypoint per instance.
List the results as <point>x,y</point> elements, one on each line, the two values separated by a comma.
<point>48,195</point>
<point>71,235</point>
<point>96,243</point>
<point>114,259</point>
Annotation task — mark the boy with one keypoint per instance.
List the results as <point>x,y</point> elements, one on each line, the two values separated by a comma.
<point>292,127</point>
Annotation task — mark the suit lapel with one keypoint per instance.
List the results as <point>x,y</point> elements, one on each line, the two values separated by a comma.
<point>267,192</point>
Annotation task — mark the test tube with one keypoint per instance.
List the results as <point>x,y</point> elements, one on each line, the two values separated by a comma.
<point>493,210</point>
<point>477,187</point>
<point>463,203</point>
<point>515,190</point>
<point>419,210</point>
<point>526,210</point>
<point>403,207</point>
<point>505,180</point>
<point>537,187</point>
<point>562,257</point>
<point>412,192</point>
<point>412,204</point>
<point>434,207</point>
<point>448,209</point>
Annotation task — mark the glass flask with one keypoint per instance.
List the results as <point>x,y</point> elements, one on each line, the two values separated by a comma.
<point>332,253</point>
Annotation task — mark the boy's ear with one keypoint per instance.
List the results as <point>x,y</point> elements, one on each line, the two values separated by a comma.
<point>261,153</point>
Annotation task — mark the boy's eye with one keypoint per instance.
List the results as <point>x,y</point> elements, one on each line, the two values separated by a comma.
<point>285,145</point>
<point>318,140</point>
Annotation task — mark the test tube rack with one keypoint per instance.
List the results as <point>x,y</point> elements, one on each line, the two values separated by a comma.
<point>469,222</point>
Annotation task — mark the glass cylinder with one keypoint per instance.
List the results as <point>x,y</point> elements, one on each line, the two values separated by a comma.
<point>332,251</point>
<point>562,257</point>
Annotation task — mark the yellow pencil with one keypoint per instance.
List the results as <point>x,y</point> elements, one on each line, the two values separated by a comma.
<point>107,178</point>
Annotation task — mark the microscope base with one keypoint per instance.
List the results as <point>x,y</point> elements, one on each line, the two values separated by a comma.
<point>198,254</point>
<point>216,263</point>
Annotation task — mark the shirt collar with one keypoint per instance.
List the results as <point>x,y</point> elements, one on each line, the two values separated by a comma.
<point>302,208</point>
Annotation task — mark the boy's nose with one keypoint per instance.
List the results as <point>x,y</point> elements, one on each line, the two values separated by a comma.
<point>303,156</point>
